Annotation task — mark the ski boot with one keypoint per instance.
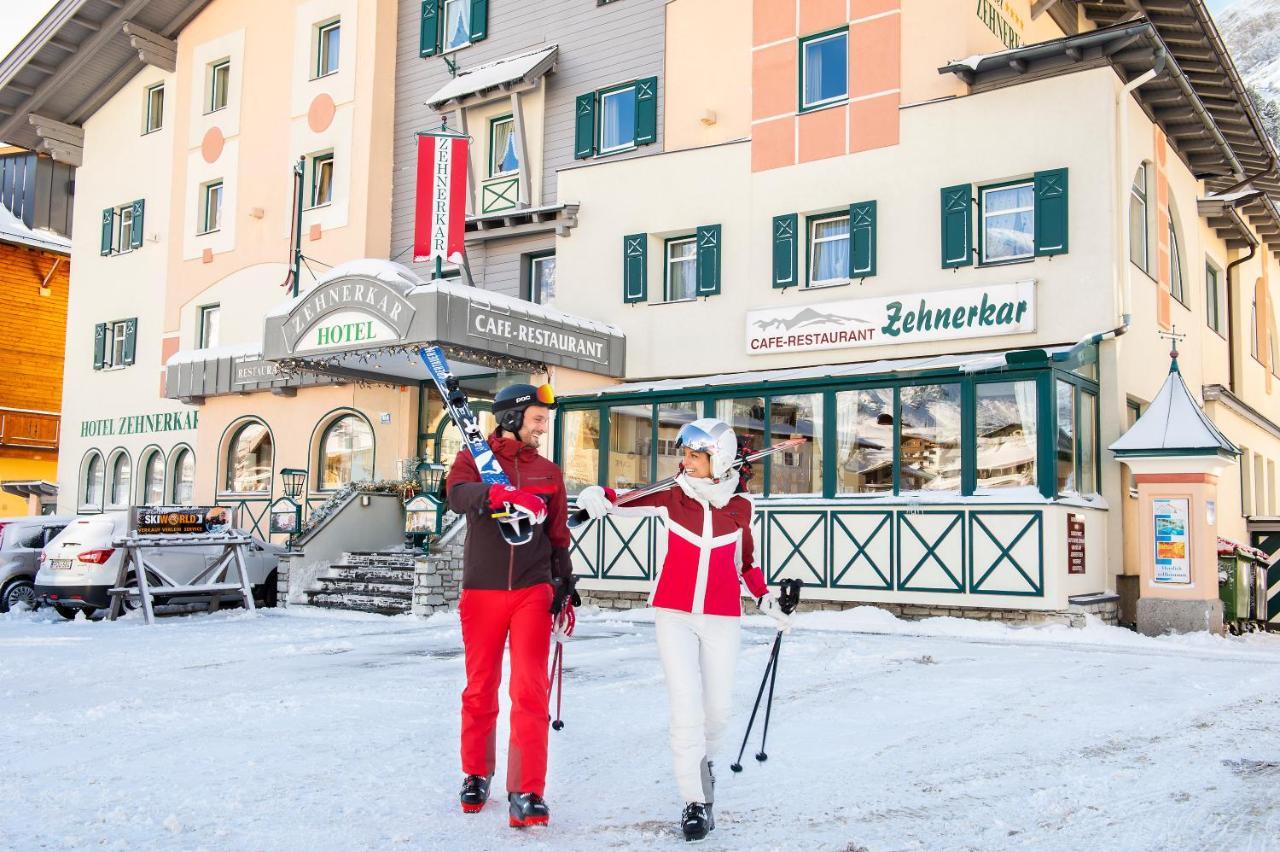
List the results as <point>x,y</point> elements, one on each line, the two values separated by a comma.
<point>475,792</point>
<point>694,822</point>
<point>528,809</point>
<point>709,792</point>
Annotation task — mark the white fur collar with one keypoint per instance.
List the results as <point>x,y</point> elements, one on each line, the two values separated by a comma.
<point>709,491</point>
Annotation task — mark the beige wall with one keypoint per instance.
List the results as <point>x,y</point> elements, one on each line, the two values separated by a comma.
<point>708,98</point>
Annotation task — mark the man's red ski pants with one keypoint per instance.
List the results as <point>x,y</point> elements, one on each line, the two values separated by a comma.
<point>488,616</point>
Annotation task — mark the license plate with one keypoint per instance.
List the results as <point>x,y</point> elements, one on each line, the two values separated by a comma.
<point>60,564</point>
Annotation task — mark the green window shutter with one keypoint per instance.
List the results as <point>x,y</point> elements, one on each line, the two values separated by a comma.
<point>635,268</point>
<point>647,111</point>
<point>130,340</point>
<point>108,229</point>
<point>99,345</point>
<point>1051,212</point>
<point>135,238</point>
<point>957,225</point>
<point>785,250</point>
<point>584,126</point>
<point>429,29</point>
<point>708,237</point>
<point>862,239</point>
<point>479,19</point>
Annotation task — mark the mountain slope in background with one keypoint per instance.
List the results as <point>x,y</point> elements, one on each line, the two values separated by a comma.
<point>1251,29</point>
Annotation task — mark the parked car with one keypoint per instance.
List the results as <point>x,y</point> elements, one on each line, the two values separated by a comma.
<point>21,540</point>
<point>79,566</point>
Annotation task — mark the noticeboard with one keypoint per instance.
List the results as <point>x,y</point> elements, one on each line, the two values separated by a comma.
<point>285,517</point>
<point>181,520</point>
<point>1172,552</point>
<point>1075,543</point>
<point>419,515</point>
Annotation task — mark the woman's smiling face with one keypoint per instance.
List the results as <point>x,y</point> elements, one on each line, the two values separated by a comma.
<point>696,464</point>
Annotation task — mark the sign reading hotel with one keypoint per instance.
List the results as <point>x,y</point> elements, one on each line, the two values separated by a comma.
<point>940,315</point>
<point>353,314</point>
<point>1173,562</point>
<point>1003,21</point>
<point>507,328</point>
<point>440,209</point>
<point>140,424</point>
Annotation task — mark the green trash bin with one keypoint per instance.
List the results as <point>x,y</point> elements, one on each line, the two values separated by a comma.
<point>1239,585</point>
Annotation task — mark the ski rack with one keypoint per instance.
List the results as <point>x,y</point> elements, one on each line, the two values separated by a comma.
<point>211,582</point>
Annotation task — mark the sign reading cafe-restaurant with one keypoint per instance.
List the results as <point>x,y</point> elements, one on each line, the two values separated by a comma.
<point>915,318</point>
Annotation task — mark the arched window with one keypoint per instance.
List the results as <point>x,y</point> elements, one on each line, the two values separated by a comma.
<point>1177,284</point>
<point>91,487</point>
<point>184,477</point>
<point>249,458</point>
<point>121,479</point>
<point>346,452</point>
<point>1138,223</point>
<point>153,479</point>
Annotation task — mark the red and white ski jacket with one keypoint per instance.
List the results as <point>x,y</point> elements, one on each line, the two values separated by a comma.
<point>710,552</point>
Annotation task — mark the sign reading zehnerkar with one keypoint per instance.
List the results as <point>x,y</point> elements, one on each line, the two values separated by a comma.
<point>916,318</point>
<point>181,520</point>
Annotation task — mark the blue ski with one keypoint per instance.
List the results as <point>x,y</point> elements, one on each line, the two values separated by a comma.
<point>515,528</point>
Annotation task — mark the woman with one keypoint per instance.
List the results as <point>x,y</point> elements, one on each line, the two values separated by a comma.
<point>698,601</point>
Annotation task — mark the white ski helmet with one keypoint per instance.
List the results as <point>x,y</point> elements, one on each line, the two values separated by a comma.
<point>714,437</point>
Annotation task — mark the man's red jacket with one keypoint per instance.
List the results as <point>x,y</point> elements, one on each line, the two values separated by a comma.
<point>488,562</point>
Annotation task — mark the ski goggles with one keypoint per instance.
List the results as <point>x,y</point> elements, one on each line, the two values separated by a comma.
<point>700,440</point>
<point>545,395</point>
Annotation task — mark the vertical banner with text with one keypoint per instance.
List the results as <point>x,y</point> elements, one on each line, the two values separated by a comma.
<point>441,208</point>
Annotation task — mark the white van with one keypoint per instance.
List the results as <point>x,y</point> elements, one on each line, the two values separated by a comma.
<point>79,566</point>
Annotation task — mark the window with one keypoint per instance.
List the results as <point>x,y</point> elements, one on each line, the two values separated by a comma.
<point>864,441</point>
<point>672,416</point>
<point>125,216</point>
<point>1246,486</point>
<point>346,452</point>
<point>682,269</point>
<point>219,85</point>
<point>929,443</point>
<point>542,279</point>
<point>746,416</point>
<point>1253,327</point>
<point>617,119</point>
<point>630,445</point>
<point>581,445</point>
<point>328,42</point>
<point>1006,433</point>
<point>153,479</point>
<point>122,228</point>
<point>1008,222</point>
<point>121,478</point>
<point>1088,451</point>
<point>94,474</point>
<point>1271,349</point>
<point>1066,439</point>
<point>1077,440</point>
<point>828,250</point>
<point>1212,296</point>
<point>1177,287</point>
<point>154,118</point>
<point>457,24</point>
<point>249,459</point>
<point>1138,252</point>
<point>116,344</point>
<point>797,415</point>
<point>210,207</point>
<point>824,69</point>
<point>321,180</point>
<point>184,477</point>
<point>503,158</point>
<point>1133,410</point>
<point>210,320</point>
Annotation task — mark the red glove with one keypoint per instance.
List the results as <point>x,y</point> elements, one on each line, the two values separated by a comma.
<point>562,623</point>
<point>504,498</point>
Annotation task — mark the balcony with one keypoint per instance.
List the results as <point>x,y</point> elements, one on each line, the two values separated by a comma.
<point>29,430</point>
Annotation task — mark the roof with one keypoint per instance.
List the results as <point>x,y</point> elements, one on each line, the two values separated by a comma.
<point>78,56</point>
<point>14,230</point>
<point>495,78</point>
<point>1174,424</point>
<point>30,488</point>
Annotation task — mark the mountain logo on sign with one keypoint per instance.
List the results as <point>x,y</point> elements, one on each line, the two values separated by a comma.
<point>805,318</point>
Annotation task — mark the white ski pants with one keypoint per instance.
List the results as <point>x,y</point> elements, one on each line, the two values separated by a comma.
<point>698,654</point>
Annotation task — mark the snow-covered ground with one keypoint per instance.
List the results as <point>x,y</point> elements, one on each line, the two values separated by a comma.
<point>313,731</point>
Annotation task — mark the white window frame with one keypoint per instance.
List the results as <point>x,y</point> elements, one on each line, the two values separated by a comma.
<point>115,339</point>
<point>984,214</point>
<point>465,5</point>
<point>211,102</point>
<point>150,121</point>
<point>109,483</point>
<point>1211,268</point>
<point>1143,195</point>
<point>1177,274</point>
<point>805,106</point>
<point>207,191</point>
<point>202,324</point>
<point>668,262</point>
<point>175,478</point>
<point>143,481</point>
<point>535,292</point>
<point>318,162</point>
<point>493,154</point>
<point>124,216</point>
<point>814,241</point>
<point>323,33</point>
<point>631,143</point>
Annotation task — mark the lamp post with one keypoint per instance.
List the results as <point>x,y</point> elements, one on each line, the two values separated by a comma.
<point>294,480</point>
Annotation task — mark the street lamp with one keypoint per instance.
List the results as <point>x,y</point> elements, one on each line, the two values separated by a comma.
<point>429,476</point>
<point>294,479</point>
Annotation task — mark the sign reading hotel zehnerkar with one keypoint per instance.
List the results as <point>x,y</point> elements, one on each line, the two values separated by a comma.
<point>354,313</point>
<point>916,318</point>
<point>506,328</point>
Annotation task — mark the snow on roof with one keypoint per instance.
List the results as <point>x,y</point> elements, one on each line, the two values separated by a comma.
<point>963,363</point>
<point>14,230</point>
<point>496,73</point>
<point>1174,421</point>
<point>212,353</point>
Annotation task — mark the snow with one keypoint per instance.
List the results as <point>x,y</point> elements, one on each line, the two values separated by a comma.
<point>310,730</point>
<point>1174,420</point>
<point>14,230</point>
<point>211,353</point>
<point>491,74</point>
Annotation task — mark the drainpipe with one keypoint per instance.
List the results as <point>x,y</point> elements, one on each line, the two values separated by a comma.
<point>1122,260</point>
<point>1231,315</point>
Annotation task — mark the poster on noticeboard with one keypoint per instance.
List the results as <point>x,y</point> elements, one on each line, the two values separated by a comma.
<point>1172,540</point>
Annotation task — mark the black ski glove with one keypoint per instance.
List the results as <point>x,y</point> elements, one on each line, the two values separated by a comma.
<point>564,589</point>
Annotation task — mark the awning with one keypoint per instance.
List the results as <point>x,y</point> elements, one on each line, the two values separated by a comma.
<point>495,79</point>
<point>193,374</point>
<point>29,488</point>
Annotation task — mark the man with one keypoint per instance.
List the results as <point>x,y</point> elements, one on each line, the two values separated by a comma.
<point>510,590</point>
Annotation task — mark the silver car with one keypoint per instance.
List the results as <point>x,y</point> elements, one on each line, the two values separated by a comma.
<point>21,540</point>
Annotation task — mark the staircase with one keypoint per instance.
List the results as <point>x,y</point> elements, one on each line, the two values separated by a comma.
<point>367,581</point>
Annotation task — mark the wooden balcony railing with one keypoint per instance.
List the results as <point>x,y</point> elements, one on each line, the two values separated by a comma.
<point>36,430</point>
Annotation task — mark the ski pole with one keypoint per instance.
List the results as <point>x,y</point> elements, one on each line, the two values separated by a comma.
<point>768,705</point>
<point>736,766</point>
<point>788,600</point>
<point>557,679</point>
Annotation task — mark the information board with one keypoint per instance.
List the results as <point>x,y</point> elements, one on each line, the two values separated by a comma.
<point>1172,542</point>
<point>181,520</point>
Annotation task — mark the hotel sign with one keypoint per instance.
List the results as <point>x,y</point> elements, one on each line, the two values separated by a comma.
<point>917,318</point>
<point>355,313</point>
<point>484,322</point>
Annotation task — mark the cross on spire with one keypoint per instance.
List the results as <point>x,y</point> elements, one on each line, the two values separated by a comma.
<point>1173,337</point>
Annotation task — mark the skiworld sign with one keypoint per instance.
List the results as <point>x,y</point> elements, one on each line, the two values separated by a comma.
<point>441,208</point>
<point>916,318</point>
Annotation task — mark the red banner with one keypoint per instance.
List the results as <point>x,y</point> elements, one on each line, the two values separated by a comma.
<point>441,208</point>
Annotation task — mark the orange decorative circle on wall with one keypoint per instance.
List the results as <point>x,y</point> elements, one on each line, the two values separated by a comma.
<point>320,115</point>
<point>211,146</point>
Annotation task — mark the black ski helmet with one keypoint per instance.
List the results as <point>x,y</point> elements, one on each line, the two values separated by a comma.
<point>510,402</point>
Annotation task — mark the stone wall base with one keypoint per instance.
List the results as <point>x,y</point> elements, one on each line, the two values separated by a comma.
<point>1157,616</point>
<point>437,579</point>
